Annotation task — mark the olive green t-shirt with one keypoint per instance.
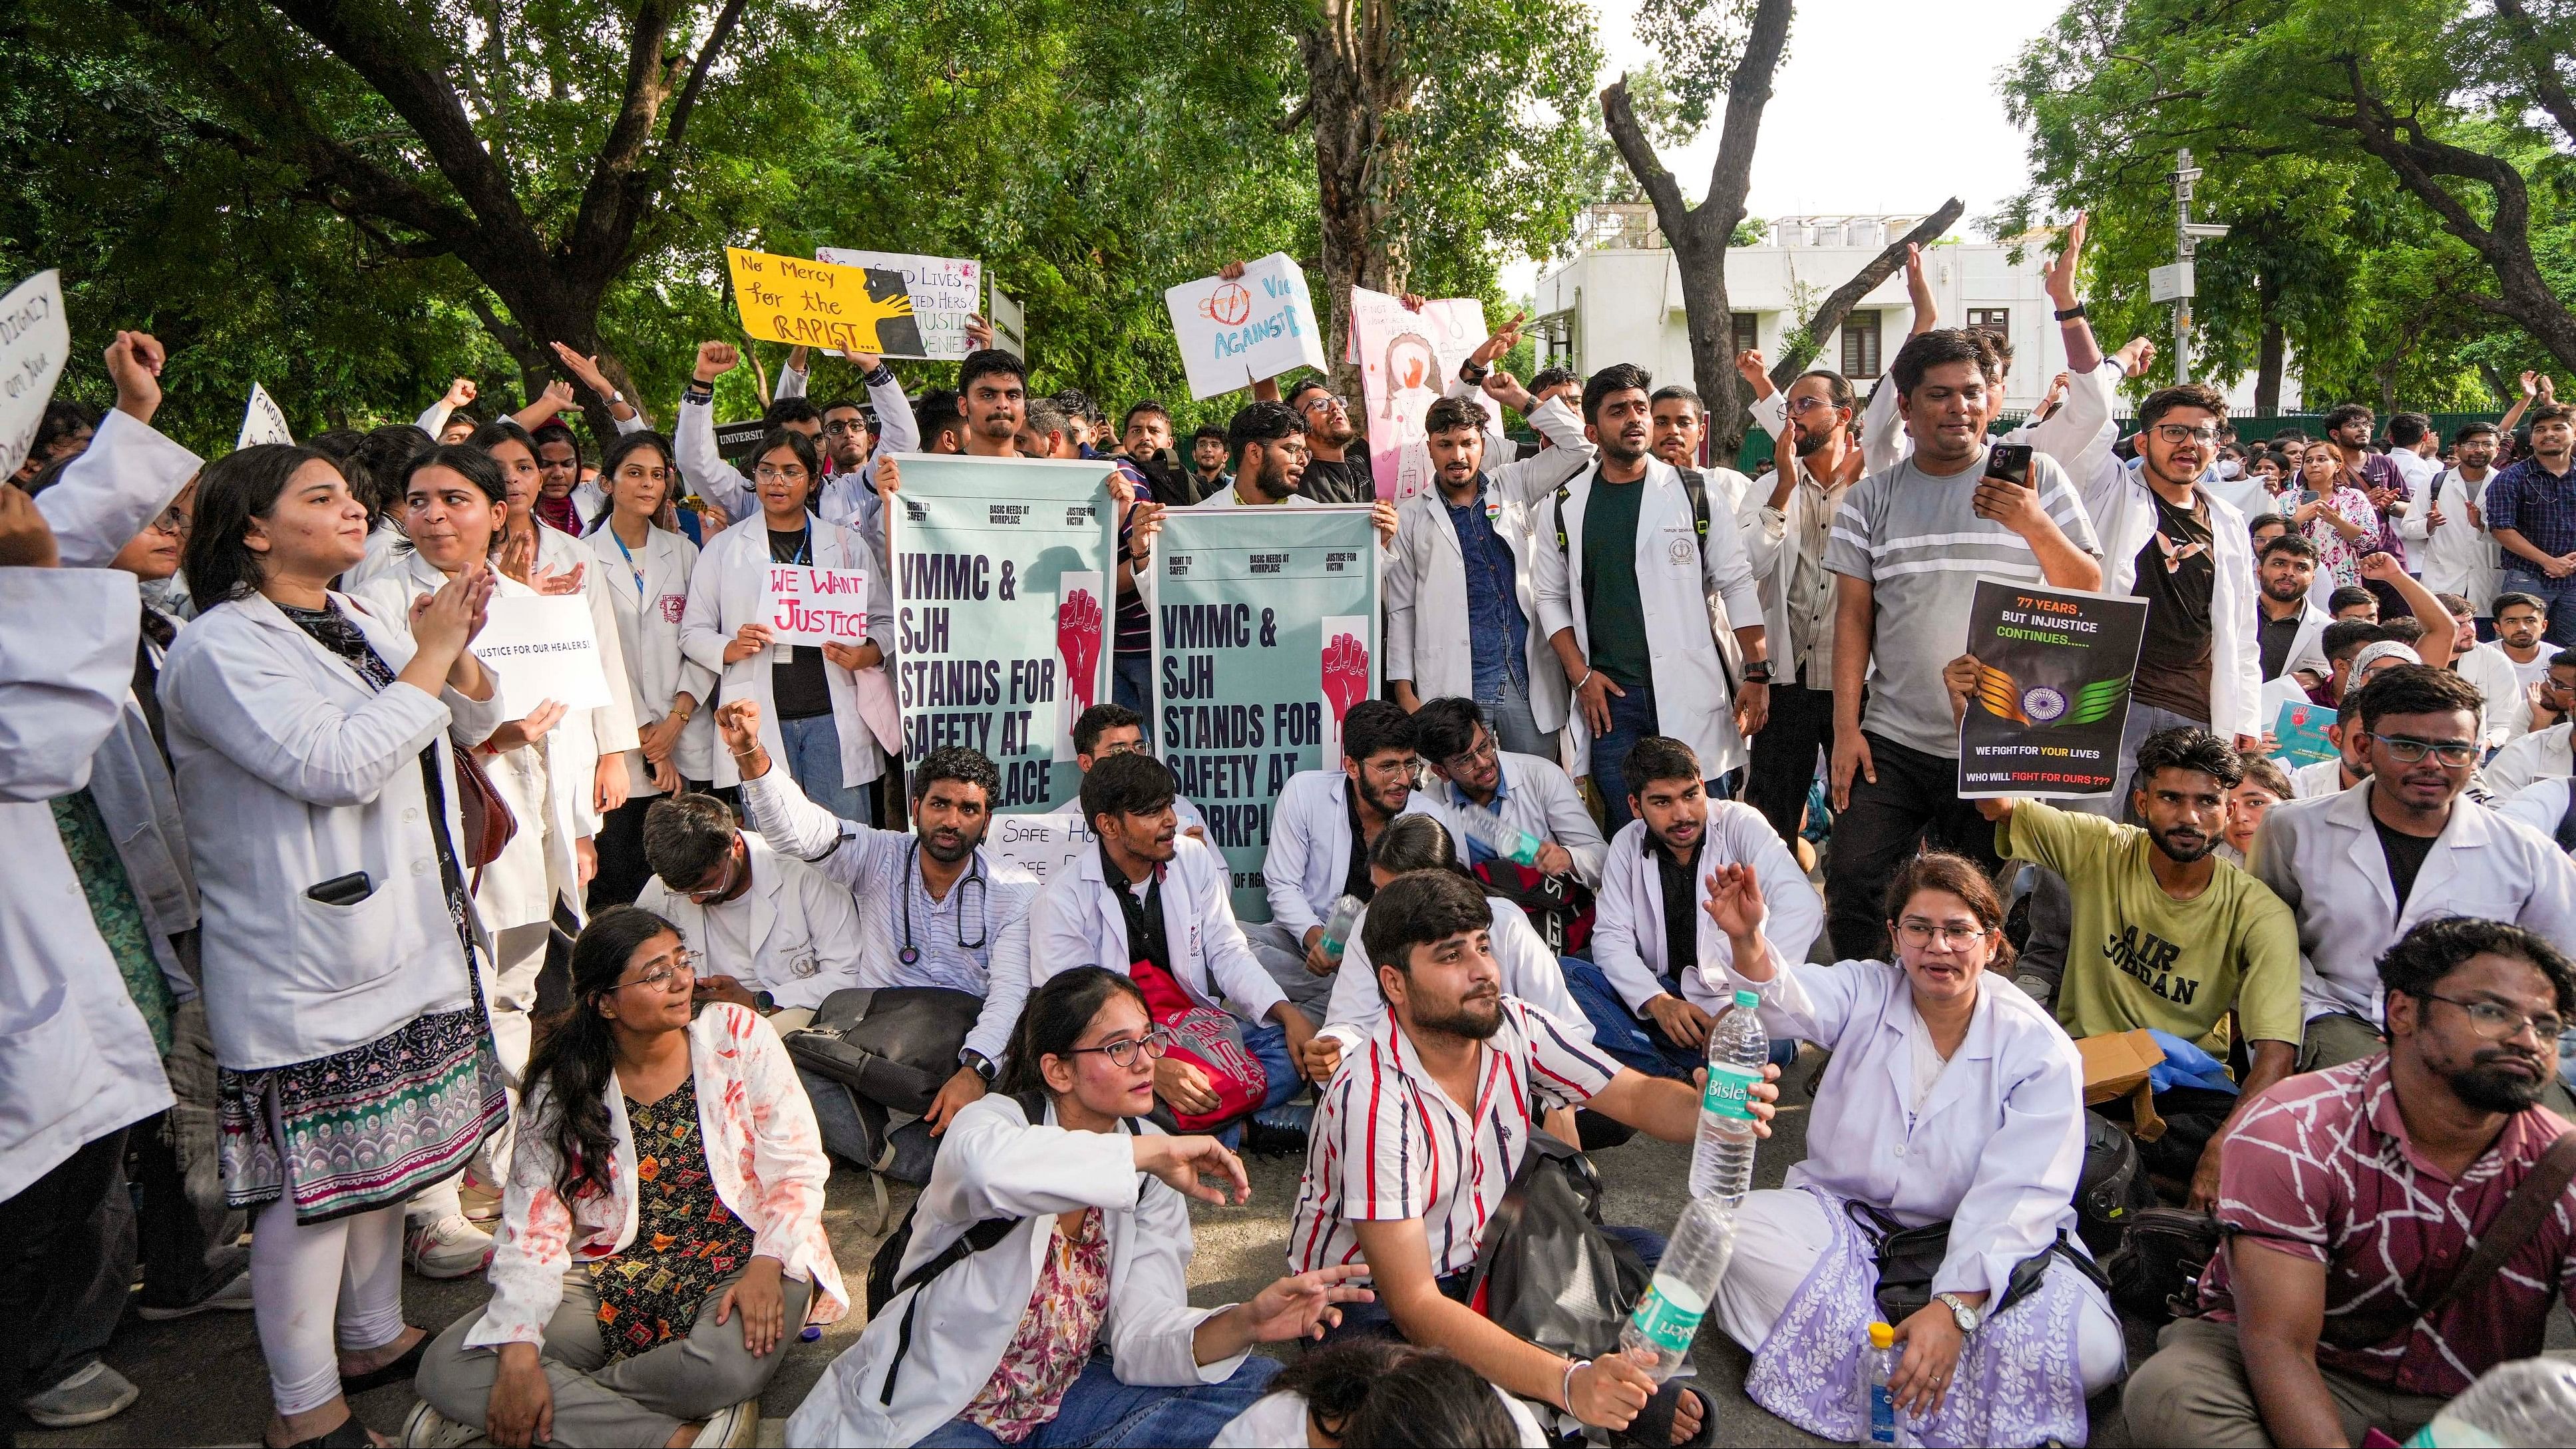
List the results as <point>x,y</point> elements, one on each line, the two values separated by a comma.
<point>2139,958</point>
<point>1614,617</point>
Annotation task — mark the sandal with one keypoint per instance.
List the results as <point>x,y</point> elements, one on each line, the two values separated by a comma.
<point>400,1371</point>
<point>348,1434</point>
<point>1653,1426</point>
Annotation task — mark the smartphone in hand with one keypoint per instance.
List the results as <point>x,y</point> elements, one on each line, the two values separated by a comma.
<point>2010,460</point>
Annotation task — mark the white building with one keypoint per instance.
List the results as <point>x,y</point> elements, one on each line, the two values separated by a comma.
<point>1620,299</point>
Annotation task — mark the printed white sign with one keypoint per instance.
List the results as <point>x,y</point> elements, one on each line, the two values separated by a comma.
<point>263,421</point>
<point>815,606</point>
<point>542,648</point>
<point>944,290</point>
<point>1233,334</point>
<point>35,338</point>
<point>1038,844</point>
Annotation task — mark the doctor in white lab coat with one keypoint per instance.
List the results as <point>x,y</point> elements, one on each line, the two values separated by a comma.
<point>2124,519</point>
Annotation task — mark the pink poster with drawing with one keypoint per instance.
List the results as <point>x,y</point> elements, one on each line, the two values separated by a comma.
<point>1406,360</point>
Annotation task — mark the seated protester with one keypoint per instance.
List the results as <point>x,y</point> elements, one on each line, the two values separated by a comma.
<point>2342,639</point>
<point>1952,1098</point>
<point>1409,1199</point>
<point>1074,1326</point>
<point>1655,980</point>
<point>2359,869</point>
<point>2543,753</point>
<point>2264,785</point>
<point>930,906</point>
<point>1529,970</point>
<point>1114,729</point>
<point>2351,603</point>
<point>1320,833</point>
<point>1482,788</point>
<point>2169,937</point>
<point>2353,1196</point>
<point>775,935</point>
<point>1365,1391</point>
<point>2288,627</point>
<point>1158,906</point>
<point>662,1234</point>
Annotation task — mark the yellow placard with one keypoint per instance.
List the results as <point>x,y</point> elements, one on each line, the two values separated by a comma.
<point>823,304</point>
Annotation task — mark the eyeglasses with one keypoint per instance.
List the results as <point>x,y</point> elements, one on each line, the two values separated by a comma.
<point>1122,1052</point>
<point>1800,406</point>
<point>672,978</point>
<point>792,473</point>
<point>846,425</point>
<point>1399,769</point>
<point>1919,934</point>
<point>174,522</point>
<point>2184,433</point>
<point>1481,753</point>
<point>2503,1023</point>
<point>1322,400</point>
<point>2405,750</point>
<point>724,883</point>
<point>1123,747</point>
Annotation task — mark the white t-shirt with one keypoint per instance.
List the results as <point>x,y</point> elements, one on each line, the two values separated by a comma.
<point>1278,1421</point>
<point>2533,672</point>
<point>1226,498</point>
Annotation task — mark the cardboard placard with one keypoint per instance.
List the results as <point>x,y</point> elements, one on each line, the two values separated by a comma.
<point>1039,845</point>
<point>1010,322</point>
<point>818,304</point>
<point>945,291</point>
<point>541,647</point>
<point>263,421</point>
<point>1235,333</point>
<point>35,340</point>
<point>2299,734</point>
<point>805,605</point>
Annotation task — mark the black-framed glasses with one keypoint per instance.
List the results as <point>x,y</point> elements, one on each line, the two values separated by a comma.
<point>675,976</point>
<point>2185,433</point>
<point>1122,1052</point>
<point>2503,1023</point>
<point>1323,400</point>
<point>846,425</point>
<point>2406,750</point>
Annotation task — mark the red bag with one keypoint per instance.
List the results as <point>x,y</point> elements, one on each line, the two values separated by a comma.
<point>1209,1040</point>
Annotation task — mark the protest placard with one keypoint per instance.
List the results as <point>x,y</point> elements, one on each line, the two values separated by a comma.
<point>1406,361</point>
<point>2299,734</point>
<point>1234,333</point>
<point>806,605</point>
<point>1010,322</point>
<point>263,421</point>
<point>1264,636</point>
<point>35,339</point>
<point>945,291</point>
<point>1038,845</point>
<point>1002,599</point>
<point>817,304</point>
<point>2052,694</point>
<point>541,647</point>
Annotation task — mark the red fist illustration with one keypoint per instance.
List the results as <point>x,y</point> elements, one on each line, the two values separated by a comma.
<point>1346,668</point>
<point>1077,643</point>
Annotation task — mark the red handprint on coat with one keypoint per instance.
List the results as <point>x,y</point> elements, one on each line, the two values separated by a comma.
<point>1346,670</point>
<point>1077,643</point>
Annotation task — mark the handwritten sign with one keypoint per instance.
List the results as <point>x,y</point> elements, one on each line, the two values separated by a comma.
<point>945,291</point>
<point>263,421</point>
<point>1040,845</point>
<point>1406,361</point>
<point>35,338</point>
<point>816,606</point>
<point>1235,333</point>
<point>818,304</point>
<point>541,647</point>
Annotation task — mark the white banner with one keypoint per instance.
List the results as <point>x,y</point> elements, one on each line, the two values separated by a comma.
<point>945,291</point>
<point>1233,334</point>
<point>539,648</point>
<point>35,339</point>
<point>263,421</point>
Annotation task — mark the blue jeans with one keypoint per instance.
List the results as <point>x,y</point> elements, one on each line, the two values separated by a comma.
<point>1638,1043</point>
<point>1099,1410</point>
<point>814,763</point>
<point>1632,718</point>
<point>1507,709</point>
<point>2558,594</point>
<point>1131,683</point>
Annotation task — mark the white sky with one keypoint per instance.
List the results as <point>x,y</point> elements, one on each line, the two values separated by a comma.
<point>1846,130</point>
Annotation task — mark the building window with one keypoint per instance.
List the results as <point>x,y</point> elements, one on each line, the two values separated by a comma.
<point>1747,332</point>
<point>1860,345</point>
<point>1997,320</point>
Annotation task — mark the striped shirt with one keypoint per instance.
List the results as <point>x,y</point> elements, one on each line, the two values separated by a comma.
<point>1389,1144</point>
<point>1916,539</point>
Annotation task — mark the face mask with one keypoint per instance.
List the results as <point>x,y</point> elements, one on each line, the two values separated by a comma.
<point>2230,468</point>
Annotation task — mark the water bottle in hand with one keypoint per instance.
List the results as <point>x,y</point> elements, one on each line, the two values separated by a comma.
<point>1500,837</point>
<point>1658,1335</point>
<point>1337,927</point>
<point>1722,1159</point>
<point>2526,1401</point>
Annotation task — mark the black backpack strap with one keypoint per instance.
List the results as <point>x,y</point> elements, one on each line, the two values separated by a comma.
<point>1697,487</point>
<point>982,1237</point>
<point>2567,821</point>
<point>1564,549</point>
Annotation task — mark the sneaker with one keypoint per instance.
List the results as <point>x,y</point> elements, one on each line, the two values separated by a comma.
<point>96,1392</point>
<point>737,1427</point>
<point>233,1297</point>
<point>449,1248</point>
<point>426,1428</point>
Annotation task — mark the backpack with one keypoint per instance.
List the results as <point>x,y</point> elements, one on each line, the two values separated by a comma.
<point>1696,488</point>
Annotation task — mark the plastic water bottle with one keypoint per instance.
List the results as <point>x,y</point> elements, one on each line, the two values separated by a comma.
<point>1722,1159</point>
<point>1878,1365</point>
<point>1337,927</point>
<point>1500,837</point>
<point>1658,1336</point>
<point>2527,1401</point>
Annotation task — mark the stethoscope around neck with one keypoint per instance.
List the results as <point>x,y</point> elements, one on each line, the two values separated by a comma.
<point>910,954</point>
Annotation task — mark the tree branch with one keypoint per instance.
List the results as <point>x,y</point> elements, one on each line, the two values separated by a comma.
<point>1748,93</point>
<point>687,104</point>
<point>1670,209</point>
<point>1839,302</point>
<point>1287,124</point>
<point>2540,59</point>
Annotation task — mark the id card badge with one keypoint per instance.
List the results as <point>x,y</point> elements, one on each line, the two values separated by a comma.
<point>782,653</point>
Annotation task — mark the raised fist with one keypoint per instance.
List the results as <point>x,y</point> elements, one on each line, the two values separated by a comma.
<point>1077,644</point>
<point>1346,670</point>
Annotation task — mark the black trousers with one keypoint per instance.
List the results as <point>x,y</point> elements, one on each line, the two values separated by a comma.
<point>1784,756</point>
<point>49,1261</point>
<point>1915,804</point>
<point>623,873</point>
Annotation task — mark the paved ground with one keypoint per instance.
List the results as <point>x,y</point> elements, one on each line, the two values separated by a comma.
<point>204,1383</point>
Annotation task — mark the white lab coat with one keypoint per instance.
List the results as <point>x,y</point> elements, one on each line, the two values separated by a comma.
<point>119,484</point>
<point>2124,515</point>
<point>2322,858</point>
<point>2508,709</point>
<point>2537,755</point>
<point>719,482</point>
<point>800,925</point>
<point>995,1164</point>
<point>1999,1144</point>
<point>646,619</point>
<point>76,1060</point>
<point>2542,804</point>
<point>2459,557</point>
<point>1628,920</point>
<point>589,734</point>
<point>131,785</point>
<point>1530,972</point>
<point>1536,796</point>
<point>725,593</point>
<point>1075,921</point>
<point>1309,857</point>
<point>2307,647</point>
<point>293,772</point>
<point>1677,573</point>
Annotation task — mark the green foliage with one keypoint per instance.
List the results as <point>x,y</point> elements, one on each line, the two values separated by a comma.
<point>1699,42</point>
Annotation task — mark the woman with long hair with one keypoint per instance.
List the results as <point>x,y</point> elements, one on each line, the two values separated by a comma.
<point>311,740</point>
<point>1952,1098</point>
<point>1362,1392</point>
<point>2333,512</point>
<point>662,1236</point>
<point>1073,1326</point>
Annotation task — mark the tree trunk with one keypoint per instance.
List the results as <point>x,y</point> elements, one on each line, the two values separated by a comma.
<point>1353,82</point>
<point>2267,373</point>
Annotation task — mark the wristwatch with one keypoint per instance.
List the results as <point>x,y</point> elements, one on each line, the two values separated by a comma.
<point>1758,672</point>
<point>978,1063</point>
<point>1967,1317</point>
<point>2071,313</point>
